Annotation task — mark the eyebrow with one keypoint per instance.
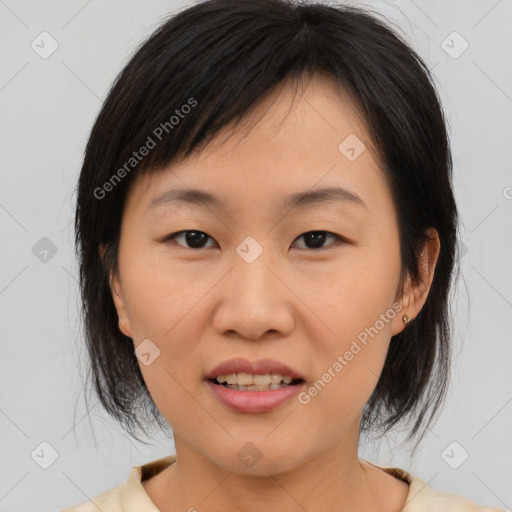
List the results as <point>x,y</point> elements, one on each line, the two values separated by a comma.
<point>296,200</point>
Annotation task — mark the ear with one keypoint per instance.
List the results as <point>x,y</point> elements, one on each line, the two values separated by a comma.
<point>415,296</point>
<point>118,297</point>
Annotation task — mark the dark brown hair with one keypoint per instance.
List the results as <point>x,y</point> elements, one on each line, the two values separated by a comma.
<point>226,56</point>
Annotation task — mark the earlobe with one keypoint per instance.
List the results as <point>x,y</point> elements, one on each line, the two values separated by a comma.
<point>101,250</point>
<point>404,315</point>
<point>124,327</point>
<point>415,296</point>
<point>116,292</point>
<point>118,298</point>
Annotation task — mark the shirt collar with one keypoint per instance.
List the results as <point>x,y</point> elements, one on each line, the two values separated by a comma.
<point>134,497</point>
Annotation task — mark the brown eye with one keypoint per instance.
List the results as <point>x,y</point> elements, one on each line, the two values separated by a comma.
<point>315,239</point>
<point>190,239</point>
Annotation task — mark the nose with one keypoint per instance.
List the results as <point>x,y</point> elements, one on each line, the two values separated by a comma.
<point>254,301</point>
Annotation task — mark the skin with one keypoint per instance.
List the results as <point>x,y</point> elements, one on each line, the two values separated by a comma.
<point>297,304</point>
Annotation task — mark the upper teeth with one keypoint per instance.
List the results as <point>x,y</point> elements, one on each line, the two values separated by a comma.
<point>247,379</point>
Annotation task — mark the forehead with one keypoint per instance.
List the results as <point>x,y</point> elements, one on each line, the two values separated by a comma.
<point>294,140</point>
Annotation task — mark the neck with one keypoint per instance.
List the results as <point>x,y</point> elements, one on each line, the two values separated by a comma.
<point>333,480</point>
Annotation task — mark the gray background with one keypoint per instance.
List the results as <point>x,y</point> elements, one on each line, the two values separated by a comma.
<point>48,106</point>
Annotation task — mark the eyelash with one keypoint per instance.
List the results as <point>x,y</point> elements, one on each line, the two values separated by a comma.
<point>338,238</point>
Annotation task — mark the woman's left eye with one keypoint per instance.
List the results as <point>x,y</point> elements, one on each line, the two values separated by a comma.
<point>315,239</point>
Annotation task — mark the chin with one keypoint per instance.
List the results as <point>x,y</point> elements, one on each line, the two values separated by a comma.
<point>257,457</point>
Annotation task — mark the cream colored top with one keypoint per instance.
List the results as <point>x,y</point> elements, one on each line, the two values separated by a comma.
<point>132,497</point>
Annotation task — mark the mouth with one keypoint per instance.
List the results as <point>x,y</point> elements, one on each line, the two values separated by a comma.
<point>254,387</point>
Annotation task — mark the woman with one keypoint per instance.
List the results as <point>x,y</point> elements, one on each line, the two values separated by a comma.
<point>266,233</point>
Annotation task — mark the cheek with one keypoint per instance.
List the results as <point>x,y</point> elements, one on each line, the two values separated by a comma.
<point>159,296</point>
<point>347,371</point>
<point>163,306</point>
<point>168,383</point>
<point>357,306</point>
<point>352,294</point>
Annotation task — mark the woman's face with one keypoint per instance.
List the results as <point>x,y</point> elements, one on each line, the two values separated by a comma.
<point>249,282</point>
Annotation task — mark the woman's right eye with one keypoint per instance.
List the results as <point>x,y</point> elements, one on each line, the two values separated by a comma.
<point>194,239</point>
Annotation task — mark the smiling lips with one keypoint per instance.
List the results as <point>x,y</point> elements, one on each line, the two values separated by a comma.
<point>252,387</point>
<point>248,382</point>
<point>259,367</point>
